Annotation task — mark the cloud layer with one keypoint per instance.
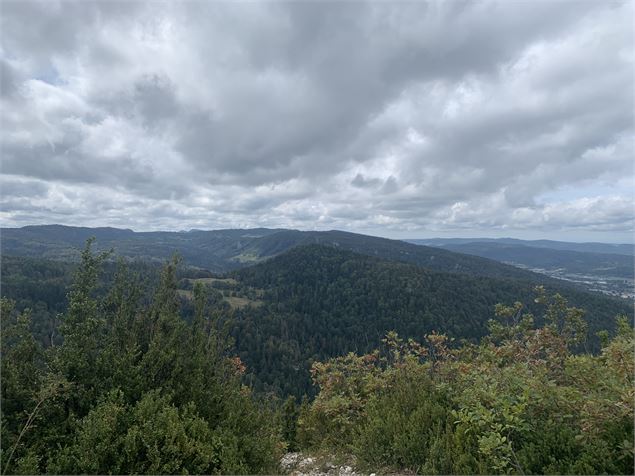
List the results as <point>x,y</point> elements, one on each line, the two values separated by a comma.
<point>399,119</point>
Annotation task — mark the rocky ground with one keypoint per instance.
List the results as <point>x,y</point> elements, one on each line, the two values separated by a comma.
<point>299,464</point>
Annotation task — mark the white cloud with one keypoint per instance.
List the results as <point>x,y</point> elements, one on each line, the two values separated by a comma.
<point>398,119</point>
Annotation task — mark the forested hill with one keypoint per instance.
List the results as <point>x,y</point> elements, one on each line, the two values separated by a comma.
<point>396,250</point>
<point>213,250</point>
<point>226,250</point>
<point>318,302</point>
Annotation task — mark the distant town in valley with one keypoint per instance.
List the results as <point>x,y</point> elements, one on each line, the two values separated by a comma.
<point>601,267</point>
<point>613,286</point>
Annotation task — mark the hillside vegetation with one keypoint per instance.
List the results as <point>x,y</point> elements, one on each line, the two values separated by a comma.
<point>320,302</point>
<point>143,380</point>
<point>310,303</point>
<point>521,402</point>
<point>225,250</point>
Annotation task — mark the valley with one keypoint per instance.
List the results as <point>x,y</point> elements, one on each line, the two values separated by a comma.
<point>598,267</point>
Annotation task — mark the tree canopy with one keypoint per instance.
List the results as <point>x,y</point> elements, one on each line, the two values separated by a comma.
<point>132,388</point>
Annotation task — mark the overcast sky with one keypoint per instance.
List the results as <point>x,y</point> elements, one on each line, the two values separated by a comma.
<point>395,119</point>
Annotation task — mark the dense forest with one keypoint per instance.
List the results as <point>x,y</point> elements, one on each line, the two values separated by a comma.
<point>319,302</point>
<point>130,367</point>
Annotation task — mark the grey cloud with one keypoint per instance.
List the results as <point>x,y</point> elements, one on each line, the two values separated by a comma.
<point>390,115</point>
<point>20,188</point>
<point>9,79</point>
<point>44,29</point>
<point>362,182</point>
<point>390,185</point>
<point>355,66</point>
<point>155,99</point>
<point>37,28</point>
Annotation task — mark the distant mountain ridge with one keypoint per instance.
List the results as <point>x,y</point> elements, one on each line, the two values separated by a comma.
<point>555,261</point>
<point>212,250</point>
<point>589,247</point>
<point>225,250</point>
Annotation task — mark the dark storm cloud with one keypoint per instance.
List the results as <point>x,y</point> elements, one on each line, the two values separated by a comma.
<point>395,117</point>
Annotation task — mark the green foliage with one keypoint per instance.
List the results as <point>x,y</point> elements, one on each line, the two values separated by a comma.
<point>289,422</point>
<point>151,437</point>
<point>521,402</point>
<point>140,375</point>
<point>310,304</point>
<point>408,426</point>
<point>131,389</point>
<point>345,385</point>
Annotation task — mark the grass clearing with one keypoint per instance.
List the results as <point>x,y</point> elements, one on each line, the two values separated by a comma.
<point>246,258</point>
<point>229,281</point>
<point>185,293</point>
<point>240,302</point>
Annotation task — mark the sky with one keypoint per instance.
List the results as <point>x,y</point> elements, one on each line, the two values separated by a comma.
<point>397,119</point>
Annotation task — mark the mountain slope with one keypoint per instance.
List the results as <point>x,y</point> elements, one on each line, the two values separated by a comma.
<point>427,257</point>
<point>320,302</point>
<point>225,250</point>
<point>207,249</point>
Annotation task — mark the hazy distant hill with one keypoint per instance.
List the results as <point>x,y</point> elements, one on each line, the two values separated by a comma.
<point>225,250</point>
<point>572,262</point>
<point>610,248</point>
